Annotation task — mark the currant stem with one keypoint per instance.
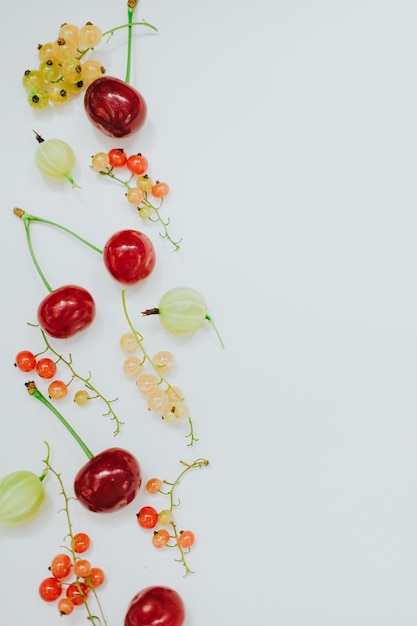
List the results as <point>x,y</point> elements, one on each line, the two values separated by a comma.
<point>34,391</point>
<point>198,463</point>
<point>111,31</point>
<point>86,381</point>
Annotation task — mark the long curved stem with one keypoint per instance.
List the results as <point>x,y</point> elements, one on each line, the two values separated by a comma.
<point>34,391</point>
<point>31,251</point>
<point>111,31</point>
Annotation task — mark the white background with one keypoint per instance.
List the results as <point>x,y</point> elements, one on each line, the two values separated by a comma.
<point>287,132</point>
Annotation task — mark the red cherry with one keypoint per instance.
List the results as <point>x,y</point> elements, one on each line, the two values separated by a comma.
<point>129,256</point>
<point>109,481</point>
<point>114,107</point>
<point>155,606</point>
<point>66,311</point>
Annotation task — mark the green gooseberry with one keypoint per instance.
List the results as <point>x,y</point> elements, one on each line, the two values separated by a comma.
<point>22,496</point>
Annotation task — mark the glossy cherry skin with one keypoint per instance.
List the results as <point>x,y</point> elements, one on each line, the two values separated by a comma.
<point>114,107</point>
<point>155,606</point>
<point>109,481</point>
<point>65,311</point>
<point>129,256</point>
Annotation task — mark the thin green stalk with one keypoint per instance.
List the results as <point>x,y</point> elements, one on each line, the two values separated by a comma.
<point>111,31</point>
<point>130,10</point>
<point>34,391</point>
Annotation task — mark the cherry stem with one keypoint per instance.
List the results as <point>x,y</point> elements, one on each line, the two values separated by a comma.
<point>34,392</point>
<point>27,219</point>
<point>130,11</point>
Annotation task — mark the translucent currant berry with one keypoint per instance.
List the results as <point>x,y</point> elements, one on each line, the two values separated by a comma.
<point>50,71</point>
<point>81,397</point>
<point>96,577</point>
<point>89,36</point>
<point>39,99</point>
<point>46,368</point>
<point>60,565</point>
<point>178,411</point>
<point>153,485</point>
<point>157,400</point>
<point>57,94</point>
<point>186,539</point>
<point>25,361</point>
<point>147,517</point>
<point>46,52</point>
<point>135,195</point>
<point>133,366</point>
<point>146,383</point>
<point>33,81</point>
<point>64,49</point>
<point>145,212</point>
<point>72,70</point>
<point>160,538</point>
<point>165,517</point>
<point>81,542</point>
<point>128,343</point>
<point>65,606</point>
<point>69,31</point>
<point>82,568</point>
<point>144,182</point>
<point>57,390</point>
<point>100,161</point>
<point>164,361</point>
<point>92,69</point>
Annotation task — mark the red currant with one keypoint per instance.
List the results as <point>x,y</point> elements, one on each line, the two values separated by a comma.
<point>117,157</point>
<point>60,566</point>
<point>57,390</point>
<point>81,542</point>
<point>82,568</point>
<point>25,361</point>
<point>65,606</point>
<point>50,589</point>
<point>159,190</point>
<point>186,539</point>
<point>147,517</point>
<point>153,485</point>
<point>77,592</point>
<point>46,368</point>
<point>160,538</point>
<point>96,577</point>
<point>137,164</point>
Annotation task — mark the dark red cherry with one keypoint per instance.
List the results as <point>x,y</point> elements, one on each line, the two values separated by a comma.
<point>155,606</point>
<point>129,256</point>
<point>109,481</point>
<point>65,311</point>
<point>114,107</point>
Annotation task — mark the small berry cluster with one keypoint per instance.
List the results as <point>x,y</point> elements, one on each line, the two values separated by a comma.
<point>149,517</point>
<point>161,397</point>
<point>47,368</point>
<point>62,70</point>
<point>141,190</point>
<point>72,577</point>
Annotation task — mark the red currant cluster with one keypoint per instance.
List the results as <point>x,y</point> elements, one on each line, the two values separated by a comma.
<point>63,71</point>
<point>47,368</point>
<point>71,592</point>
<point>149,517</point>
<point>141,190</point>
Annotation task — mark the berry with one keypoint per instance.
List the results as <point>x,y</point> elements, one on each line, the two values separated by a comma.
<point>186,539</point>
<point>160,538</point>
<point>57,390</point>
<point>159,190</point>
<point>25,361</point>
<point>46,368</point>
<point>153,485</point>
<point>50,589</point>
<point>60,566</point>
<point>81,542</point>
<point>117,157</point>
<point>137,164</point>
<point>147,517</point>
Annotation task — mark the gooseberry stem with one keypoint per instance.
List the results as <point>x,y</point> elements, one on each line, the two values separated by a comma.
<point>35,393</point>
